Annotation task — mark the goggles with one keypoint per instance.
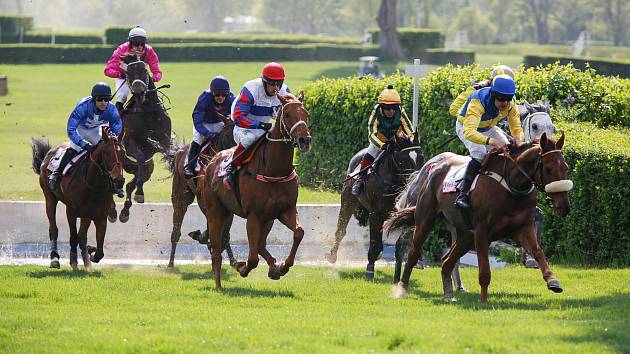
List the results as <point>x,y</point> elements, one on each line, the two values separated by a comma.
<point>102,98</point>
<point>220,93</point>
<point>271,82</point>
<point>137,42</point>
<point>503,98</point>
<point>388,107</point>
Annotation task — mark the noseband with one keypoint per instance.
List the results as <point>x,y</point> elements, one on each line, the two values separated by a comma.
<point>103,171</point>
<point>285,131</point>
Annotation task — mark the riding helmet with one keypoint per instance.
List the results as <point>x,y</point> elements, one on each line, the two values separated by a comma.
<point>138,34</point>
<point>273,71</point>
<point>219,83</point>
<point>101,89</point>
<point>503,84</point>
<point>502,70</point>
<point>389,96</point>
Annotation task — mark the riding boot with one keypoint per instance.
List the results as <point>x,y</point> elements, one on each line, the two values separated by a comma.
<point>193,153</point>
<point>463,200</point>
<point>359,184</point>
<point>55,177</point>
<point>121,108</point>
<point>229,178</point>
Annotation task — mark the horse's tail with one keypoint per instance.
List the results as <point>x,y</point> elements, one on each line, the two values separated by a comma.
<point>400,219</point>
<point>40,148</point>
<point>169,156</point>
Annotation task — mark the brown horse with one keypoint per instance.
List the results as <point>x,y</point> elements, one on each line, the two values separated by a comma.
<point>266,189</point>
<point>184,190</point>
<point>502,204</point>
<point>146,129</point>
<point>86,191</point>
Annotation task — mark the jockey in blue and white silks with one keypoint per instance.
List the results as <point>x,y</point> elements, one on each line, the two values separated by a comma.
<point>84,126</point>
<point>207,123</point>
<point>253,110</point>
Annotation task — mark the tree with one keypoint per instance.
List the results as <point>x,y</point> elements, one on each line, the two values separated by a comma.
<point>540,9</point>
<point>388,35</point>
<point>615,13</point>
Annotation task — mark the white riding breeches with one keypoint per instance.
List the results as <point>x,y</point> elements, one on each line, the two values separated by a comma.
<point>374,150</point>
<point>212,127</point>
<point>91,135</point>
<point>478,151</point>
<point>247,137</point>
<point>122,89</point>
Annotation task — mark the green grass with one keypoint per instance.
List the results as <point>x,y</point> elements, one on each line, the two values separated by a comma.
<point>312,309</point>
<point>42,96</point>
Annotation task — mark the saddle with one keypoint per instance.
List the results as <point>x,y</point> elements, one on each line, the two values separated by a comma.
<point>203,158</point>
<point>55,160</point>
<point>454,179</point>
<point>248,155</point>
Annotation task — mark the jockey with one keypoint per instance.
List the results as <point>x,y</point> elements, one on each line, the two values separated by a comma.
<point>461,99</point>
<point>84,126</point>
<point>476,126</point>
<point>252,112</point>
<point>115,68</point>
<point>207,123</point>
<point>387,119</point>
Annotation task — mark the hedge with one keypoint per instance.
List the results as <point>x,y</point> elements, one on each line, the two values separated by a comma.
<point>602,66</point>
<point>415,41</point>
<point>36,53</point>
<point>117,35</point>
<point>63,37</point>
<point>339,109</point>
<point>10,26</point>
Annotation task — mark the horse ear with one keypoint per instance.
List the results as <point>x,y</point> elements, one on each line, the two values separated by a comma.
<point>416,140</point>
<point>105,132</point>
<point>300,97</point>
<point>560,142</point>
<point>529,107</point>
<point>282,99</point>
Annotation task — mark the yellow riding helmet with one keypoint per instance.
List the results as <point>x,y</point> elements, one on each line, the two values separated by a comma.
<point>389,96</point>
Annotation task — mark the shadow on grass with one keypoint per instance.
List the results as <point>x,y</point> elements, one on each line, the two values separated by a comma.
<point>380,277</point>
<point>251,292</point>
<point>65,273</point>
<point>207,275</point>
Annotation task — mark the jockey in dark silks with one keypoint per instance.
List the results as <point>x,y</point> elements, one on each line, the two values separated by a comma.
<point>387,119</point>
<point>84,126</point>
<point>207,122</point>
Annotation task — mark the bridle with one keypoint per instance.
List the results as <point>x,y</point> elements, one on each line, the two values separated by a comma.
<point>103,171</point>
<point>145,81</point>
<point>529,119</point>
<point>285,131</point>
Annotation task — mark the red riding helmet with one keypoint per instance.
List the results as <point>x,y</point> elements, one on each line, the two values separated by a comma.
<point>273,71</point>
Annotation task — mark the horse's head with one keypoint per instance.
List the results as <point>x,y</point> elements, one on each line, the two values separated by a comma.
<point>138,77</point>
<point>292,121</point>
<point>109,157</point>
<point>407,154</point>
<point>553,174</point>
<point>536,120</point>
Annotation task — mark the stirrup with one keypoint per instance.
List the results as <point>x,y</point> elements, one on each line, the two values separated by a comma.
<point>463,201</point>
<point>228,179</point>
<point>189,172</point>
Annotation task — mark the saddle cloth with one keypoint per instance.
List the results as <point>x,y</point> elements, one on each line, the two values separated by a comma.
<point>54,162</point>
<point>205,151</point>
<point>454,178</point>
<point>248,152</point>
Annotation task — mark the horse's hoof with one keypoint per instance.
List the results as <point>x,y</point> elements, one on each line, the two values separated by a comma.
<point>112,216</point>
<point>369,273</point>
<point>274,272</point>
<point>124,216</point>
<point>171,264</point>
<point>139,198</point>
<point>331,258</point>
<point>554,285</point>
<point>462,290</point>
<point>398,291</point>
<point>233,262</point>
<point>54,263</point>
<point>74,267</point>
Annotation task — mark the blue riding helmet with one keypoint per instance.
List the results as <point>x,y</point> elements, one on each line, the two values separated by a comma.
<point>101,89</point>
<point>219,83</point>
<point>503,84</point>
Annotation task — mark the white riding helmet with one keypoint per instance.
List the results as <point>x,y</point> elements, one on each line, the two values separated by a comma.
<point>502,70</point>
<point>137,32</point>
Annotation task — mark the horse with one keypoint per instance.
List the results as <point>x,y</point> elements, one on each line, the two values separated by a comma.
<point>497,211</point>
<point>389,175</point>
<point>146,131</point>
<point>184,191</point>
<point>535,120</point>
<point>266,189</point>
<point>86,190</point>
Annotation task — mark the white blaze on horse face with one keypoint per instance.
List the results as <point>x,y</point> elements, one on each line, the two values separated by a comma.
<point>414,157</point>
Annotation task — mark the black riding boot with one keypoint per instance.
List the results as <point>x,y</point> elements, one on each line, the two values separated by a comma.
<point>359,184</point>
<point>193,153</point>
<point>472,169</point>
<point>53,179</point>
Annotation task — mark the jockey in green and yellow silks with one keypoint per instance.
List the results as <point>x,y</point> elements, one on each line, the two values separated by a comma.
<point>388,118</point>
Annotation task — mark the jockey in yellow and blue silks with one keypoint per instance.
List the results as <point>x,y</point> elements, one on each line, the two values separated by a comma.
<point>476,126</point>
<point>462,98</point>
<point>388,118</point>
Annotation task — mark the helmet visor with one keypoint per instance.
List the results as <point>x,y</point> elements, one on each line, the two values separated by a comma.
<point>137,41</point>
<point>271,82</point>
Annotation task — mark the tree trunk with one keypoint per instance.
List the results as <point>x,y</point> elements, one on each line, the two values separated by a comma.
<point>388,35</point>
<point>615,13</point>
<point>540,10</point>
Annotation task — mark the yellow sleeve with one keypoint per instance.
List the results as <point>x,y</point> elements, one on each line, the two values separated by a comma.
<point>373,130</point>
<point>406,124</point>
<point>471,123</point>
<point>459,102</point>
<point>514,121</point>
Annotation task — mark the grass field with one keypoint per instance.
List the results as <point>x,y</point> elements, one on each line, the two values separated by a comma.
<point>312,309</point>
<point>42,96</point>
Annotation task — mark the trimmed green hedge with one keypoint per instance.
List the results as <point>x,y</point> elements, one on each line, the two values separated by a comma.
<point>10,26</point>
<point>64,37</point>
<point>602,66</point>
<point>339,109</point>
<point>415,41</point>
<point>36,53</point>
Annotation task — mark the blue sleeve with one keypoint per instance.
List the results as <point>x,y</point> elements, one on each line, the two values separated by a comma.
<point>115,123</point>
<point>73,124</point>
<point>199,113</point>
<point>242,107</point>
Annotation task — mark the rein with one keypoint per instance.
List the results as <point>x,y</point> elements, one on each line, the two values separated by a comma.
<point>285,131</point>
<point>104,172</point>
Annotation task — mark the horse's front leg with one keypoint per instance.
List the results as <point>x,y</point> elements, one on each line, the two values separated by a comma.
<point>74,237</point>
<point>482,246</point>
<point>290,219</point>
<point>376,243</point>
<point>274,270</point>
<point>53,230</point>
<point>101,227</point>
<point>129,188</point>
<point>139,196</point>
<point>83,230</point>
<point>226,239</point>
<point>348,204</point>
<point>402,245</point>
<point>181,199</point>
<point>450,262</point>
<point>254,228</point>
<point>527,238</point>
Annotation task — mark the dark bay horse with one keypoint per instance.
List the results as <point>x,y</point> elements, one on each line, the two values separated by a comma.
<point>266,190</point>
<point>184,190</point>
<point>146,130</point>
<point>86,191</point>
<point>502,205</point>
<point>377,201</point>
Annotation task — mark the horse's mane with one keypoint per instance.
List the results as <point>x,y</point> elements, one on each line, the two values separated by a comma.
<point>515,150</point>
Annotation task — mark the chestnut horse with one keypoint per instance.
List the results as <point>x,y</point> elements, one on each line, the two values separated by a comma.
<point>184,191</point>
<point>502,205</point>
<point>146,129</point>
<point>266,189</point>
<point>86,190</point>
